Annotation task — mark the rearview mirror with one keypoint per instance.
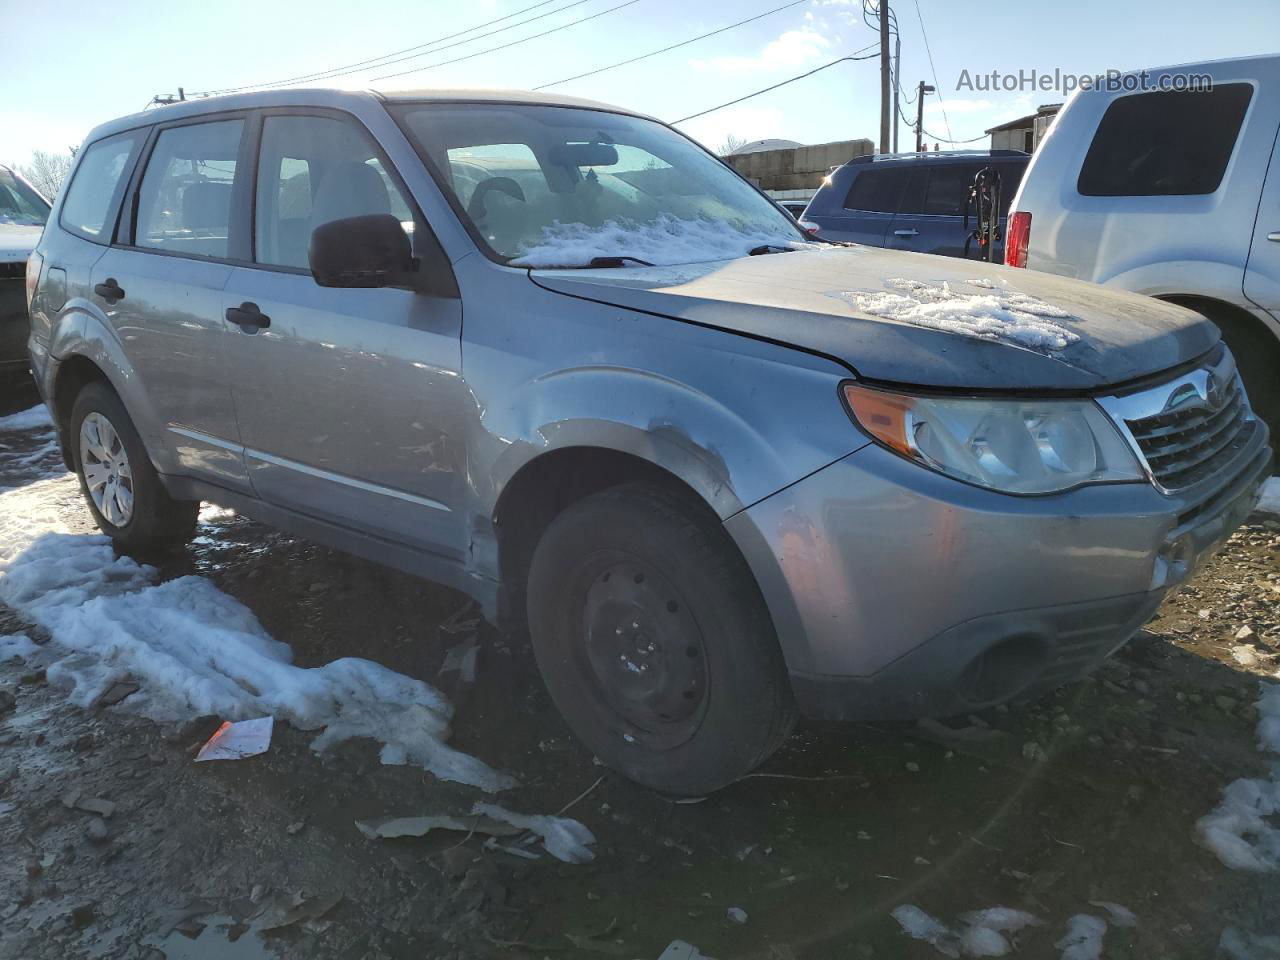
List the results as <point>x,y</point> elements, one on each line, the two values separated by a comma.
<point>584,155</point>
<point>368,251</point>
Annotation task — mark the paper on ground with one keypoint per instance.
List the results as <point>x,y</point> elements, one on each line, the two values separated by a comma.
<point>236,741</point>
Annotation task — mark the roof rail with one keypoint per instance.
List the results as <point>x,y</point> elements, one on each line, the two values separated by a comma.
<point>925,154</point>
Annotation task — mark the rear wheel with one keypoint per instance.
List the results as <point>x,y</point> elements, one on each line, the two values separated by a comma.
<point>654,640</point>
<point>122,489</point>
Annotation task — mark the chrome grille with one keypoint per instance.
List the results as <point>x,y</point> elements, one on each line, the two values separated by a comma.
<point>13,271</point>
<point>1187,427</point>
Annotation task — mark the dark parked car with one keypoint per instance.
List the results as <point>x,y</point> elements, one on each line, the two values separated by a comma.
<point>23,213</point>
<point>911,201</point>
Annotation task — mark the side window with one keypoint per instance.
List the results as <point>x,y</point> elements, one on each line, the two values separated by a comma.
<point>877,190</point>
<point>97,185</point>
<point>184,203</point>
<point>949,184</point>
<point>312,170</point>
<point>1165,144</point>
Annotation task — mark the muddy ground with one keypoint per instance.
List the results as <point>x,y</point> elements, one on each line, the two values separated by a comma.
<point>1089,795</point>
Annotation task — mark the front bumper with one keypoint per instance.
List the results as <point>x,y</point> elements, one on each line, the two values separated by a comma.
<point>898,593</point>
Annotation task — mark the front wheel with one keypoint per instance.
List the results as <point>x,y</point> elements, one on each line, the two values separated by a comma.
<point>654,641</point>
<point>122,489</point>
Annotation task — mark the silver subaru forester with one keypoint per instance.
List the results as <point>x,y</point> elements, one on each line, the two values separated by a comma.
<point>556,355</point>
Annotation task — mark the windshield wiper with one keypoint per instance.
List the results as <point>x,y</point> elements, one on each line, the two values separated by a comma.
<point>616,262</point>
<point>769,248</point>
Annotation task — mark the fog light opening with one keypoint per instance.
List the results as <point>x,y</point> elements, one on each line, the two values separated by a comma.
<point>1004,670</point>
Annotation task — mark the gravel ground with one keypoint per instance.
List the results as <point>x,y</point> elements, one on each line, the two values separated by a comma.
<point>121,847</point>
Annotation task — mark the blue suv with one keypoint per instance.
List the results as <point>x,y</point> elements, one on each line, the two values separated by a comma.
<point>911,201</point>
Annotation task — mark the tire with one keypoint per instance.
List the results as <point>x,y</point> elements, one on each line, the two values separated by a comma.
<point>1257,355</point>
<point>654,641</point>
<point>153,520</point>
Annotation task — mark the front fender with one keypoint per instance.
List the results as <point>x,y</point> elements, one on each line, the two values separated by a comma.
<point>731,455</point>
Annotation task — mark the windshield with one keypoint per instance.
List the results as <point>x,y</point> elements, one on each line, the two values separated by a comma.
<point>547,186</point>
<point>19,204</point>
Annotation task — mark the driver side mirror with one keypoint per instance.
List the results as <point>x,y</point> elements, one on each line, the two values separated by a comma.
<point>367,251</point>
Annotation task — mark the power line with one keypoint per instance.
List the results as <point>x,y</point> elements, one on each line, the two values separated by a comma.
<point>934,136</point>
<point>757,93</point>
<point>932,69</point>
<point>674,46</point>
<point>535,36</point>
<point>386,58</point>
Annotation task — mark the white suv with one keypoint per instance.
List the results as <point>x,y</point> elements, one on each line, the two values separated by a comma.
<point>1174,193</point>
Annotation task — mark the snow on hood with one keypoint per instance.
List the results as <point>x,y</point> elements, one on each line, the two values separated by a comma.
<point>17,240</point>
<point>913,318</point>
<point>989,314</point>
<point>665,240</point>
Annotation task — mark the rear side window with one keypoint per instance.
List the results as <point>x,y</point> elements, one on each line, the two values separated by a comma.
<point>877,190</point>
<point>184,203</point>
<point>1165,144</point>
<point>949,185</point>
<point>96,187</point>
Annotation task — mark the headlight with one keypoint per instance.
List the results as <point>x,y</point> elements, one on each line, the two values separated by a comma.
<point>1015,446</point>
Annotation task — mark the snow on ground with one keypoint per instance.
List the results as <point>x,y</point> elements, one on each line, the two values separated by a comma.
<point>981,934</point>
<point>196,650</point>
<point>29,419</point>
<point>988,315</point>
<point>565,839</point>
<point>1238,829</point>
<point>1083,940</point>
<point>1270,502</point>
<point>665,240</point>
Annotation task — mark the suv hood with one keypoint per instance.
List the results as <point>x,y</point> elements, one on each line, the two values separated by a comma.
<point>915,319</point>
<point>17,241</point>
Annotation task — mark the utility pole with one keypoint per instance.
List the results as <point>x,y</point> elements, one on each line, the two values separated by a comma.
<point>885,71</point>
<point>921,90</point>
<point>897,85</point>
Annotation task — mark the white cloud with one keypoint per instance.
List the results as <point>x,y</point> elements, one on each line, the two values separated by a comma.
<point>958,106</point>
<point>795,48</point>
<point>745,123</point>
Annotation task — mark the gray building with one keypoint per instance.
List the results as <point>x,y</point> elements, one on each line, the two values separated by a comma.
<point>793,172</point>
<point>1025,133</point>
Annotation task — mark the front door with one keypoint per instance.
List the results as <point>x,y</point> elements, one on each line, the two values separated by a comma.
<point>346,398</point>
<point>161,289</point>
<point>1262,275</point>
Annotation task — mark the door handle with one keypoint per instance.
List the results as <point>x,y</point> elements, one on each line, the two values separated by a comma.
<point>247,316</point>
<point>109,290</point>
<point>906,233</point>
<point>1274,237</point>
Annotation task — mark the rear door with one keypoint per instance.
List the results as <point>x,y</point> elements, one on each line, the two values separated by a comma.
<point>346,398</point>
<point>1262,276</point>
<point>931,219</point>
<point>160,286</point>
<point>864,212</point>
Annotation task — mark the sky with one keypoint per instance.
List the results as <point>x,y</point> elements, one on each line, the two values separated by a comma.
<point>60,79</point>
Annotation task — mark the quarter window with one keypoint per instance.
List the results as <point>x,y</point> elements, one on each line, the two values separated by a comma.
<point>184,204</point>
<point>879,191</point>
<point>1165,144</point>
<point>313,170</point>
<point>97,184</point>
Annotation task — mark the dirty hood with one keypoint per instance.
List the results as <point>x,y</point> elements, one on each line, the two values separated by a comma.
<point>914,318</point>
